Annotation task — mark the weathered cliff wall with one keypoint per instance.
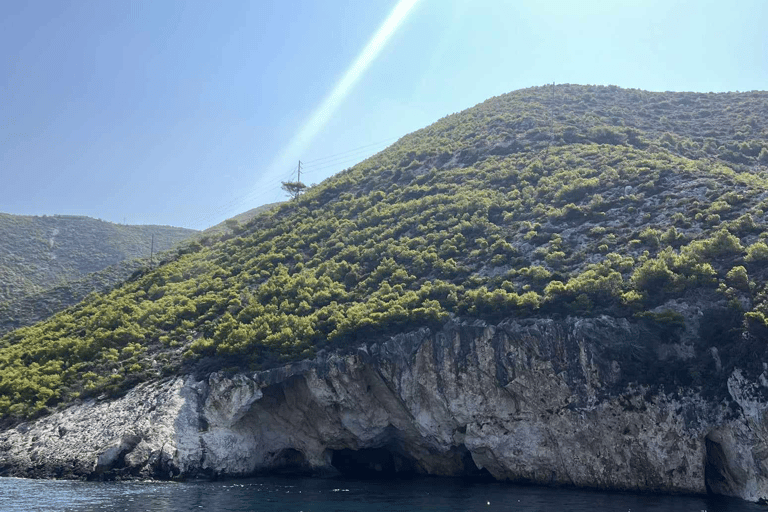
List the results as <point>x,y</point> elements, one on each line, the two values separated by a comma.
<point>568,402</point>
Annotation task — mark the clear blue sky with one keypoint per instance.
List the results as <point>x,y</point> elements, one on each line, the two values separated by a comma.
<point>186,113</point>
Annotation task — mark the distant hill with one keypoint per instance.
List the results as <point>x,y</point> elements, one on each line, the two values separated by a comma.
<point>35,302</point>
<point>38,306</point>
<point>240,219</point>
<point>578,200</point>
<point>41,254</point>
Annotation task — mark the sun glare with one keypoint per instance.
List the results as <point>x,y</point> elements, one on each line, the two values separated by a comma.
<point>289,154</point>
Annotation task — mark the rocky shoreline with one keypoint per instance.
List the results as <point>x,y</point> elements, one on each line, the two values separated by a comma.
<point>554,402</point>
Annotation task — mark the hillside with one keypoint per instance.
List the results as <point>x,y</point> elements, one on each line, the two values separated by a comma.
<point>242,218</point>
<point>41,254</point>
<point>38,306</point>
<point>37,253</point>
<point>583,201</point>
<point>26,309</point>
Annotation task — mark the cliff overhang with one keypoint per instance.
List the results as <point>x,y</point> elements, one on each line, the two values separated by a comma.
<point>556,402</point>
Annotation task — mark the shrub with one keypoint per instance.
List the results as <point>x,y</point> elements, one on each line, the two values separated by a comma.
<point>651,237</point>
<point>654,276</point>
<point>738,278</point>
<point>763,157</point>
<point>672,238</point>
<point>555,258</point>
<point>722,244</point>
<point>757,252</point>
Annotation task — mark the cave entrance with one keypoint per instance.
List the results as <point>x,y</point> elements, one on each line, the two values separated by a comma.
<point>471,472</point>
<point>722,476</point>
<point>291,462</point>
<point>372,463</point>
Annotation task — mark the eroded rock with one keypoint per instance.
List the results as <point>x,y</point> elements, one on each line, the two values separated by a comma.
<point>560,402</point>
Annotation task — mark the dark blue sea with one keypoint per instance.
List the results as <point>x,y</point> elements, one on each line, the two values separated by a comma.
<point>308,494</point>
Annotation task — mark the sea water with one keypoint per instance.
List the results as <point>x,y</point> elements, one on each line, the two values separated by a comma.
<point>317,495</point>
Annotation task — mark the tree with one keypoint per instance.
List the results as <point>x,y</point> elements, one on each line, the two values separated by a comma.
<point>294,188</point>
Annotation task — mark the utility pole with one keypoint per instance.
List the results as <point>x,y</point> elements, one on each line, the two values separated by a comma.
<point>294,188</point>
<point>152,251</point>
<point>552,114</point>
<point>551,122</point>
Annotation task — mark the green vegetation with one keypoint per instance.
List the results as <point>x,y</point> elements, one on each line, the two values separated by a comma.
<point>50,263</point>
<point>38,306</point>
<point>227,227</point>
<point>497,211</point>
<point>294,188</point>
<point>38,253</point>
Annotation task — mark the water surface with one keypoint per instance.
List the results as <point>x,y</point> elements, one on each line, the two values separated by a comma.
<point>325,495</point>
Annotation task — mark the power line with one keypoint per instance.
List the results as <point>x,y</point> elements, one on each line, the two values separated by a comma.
<point>225,206</point>
<point>348,155</point>
<point>330,163</point>
<point>312,162</point>
<point>315,165</point>
<point>229,206</point>
<point>340,162</point>
<point>225,213</point>
<point>204,218</point>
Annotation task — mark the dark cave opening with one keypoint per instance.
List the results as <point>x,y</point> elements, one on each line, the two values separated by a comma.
<point>370,463</point>
<point>717,474</point>
<point>471,472</point>
<point>386,462</point>
<point>291,462</point>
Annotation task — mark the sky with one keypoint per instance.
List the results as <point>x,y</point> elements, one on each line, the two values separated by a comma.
<point>187,113</point>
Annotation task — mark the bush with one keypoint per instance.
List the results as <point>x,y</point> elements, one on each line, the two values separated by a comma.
<point>763,156</point>
<point>654,277</point>
<point>757,252</point>
<point>721,245</point>
<point>738,278</point>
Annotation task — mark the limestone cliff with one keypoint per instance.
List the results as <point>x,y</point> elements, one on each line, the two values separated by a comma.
<point>561,402</point>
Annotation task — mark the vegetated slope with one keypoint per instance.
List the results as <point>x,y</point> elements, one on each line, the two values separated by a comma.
<point>46,263</point>
<point>39,305</point>
<point>588,201</point>
<point>37,253</point>
<point>235,222</point>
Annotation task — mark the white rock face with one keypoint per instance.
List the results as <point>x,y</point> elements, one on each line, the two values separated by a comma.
<point>92,438</point>
<point>544,401</point>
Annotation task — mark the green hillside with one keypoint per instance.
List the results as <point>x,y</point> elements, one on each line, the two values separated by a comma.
<point>37,253</point>
<point>586,201</point>
<point>38,306</point>
<point>27,307</point>
<point>235,222</point>
<point>48,263</point>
